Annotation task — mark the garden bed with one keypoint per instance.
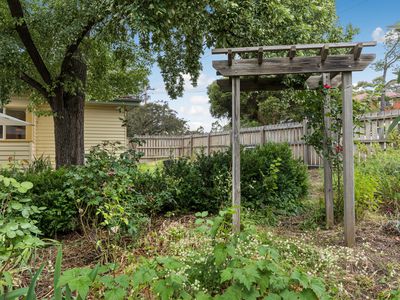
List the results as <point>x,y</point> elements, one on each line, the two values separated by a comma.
<point>368,271</point>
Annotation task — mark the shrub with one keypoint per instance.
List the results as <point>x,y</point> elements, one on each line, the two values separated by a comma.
<point>270,177</point>
<point>61,215</point>
<point>111,192</point>
<point>18,232</point>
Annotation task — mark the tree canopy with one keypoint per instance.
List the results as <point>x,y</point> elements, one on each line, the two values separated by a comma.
<point>281,22</point>
<point>154,119</point>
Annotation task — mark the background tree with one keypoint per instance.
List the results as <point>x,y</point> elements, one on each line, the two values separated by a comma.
<point>154,119</point>
<point>277,22</point>
<point>389,62</point>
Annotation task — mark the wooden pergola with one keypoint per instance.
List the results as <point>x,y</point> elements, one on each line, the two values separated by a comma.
<point>276,62</point>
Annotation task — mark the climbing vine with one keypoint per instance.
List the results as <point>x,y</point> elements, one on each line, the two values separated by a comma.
<point>329,146</point>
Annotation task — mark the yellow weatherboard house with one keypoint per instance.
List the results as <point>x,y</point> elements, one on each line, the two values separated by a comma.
<point>103,121</point>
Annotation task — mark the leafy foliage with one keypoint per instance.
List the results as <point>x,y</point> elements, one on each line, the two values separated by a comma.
<point>235,267</point>
<point>378,184</point>
<point>154,119</point>
<point>18,232</point>
<point>225,266</point>
<point>269,177</point>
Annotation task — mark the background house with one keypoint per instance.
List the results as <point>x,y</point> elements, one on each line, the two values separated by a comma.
<point>103,121</point>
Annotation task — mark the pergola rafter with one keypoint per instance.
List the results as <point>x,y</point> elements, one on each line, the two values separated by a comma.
<point>333,69</point>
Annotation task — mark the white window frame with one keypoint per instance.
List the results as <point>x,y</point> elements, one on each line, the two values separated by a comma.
<point>4,111</point>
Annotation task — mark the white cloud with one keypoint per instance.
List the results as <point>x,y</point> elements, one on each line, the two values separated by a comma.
<point>194,110</point>
<point>202,82</point>
<point>198,99</point>
<point>378,35</point>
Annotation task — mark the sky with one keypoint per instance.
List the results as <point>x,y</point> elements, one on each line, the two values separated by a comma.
<point>372,17</point>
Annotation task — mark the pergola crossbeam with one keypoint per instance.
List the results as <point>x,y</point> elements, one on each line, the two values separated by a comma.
<point>296,65</point>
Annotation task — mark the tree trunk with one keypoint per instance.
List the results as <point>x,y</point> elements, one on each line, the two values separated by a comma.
<point>68,108</point>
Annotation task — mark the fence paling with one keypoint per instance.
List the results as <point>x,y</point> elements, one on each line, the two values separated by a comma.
<point>372,130</point>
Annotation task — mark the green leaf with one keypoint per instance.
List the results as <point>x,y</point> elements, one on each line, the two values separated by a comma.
<point>15,294</point>
<point>115,294</point>
<point>163,290</point>
<point>220,253</point>
<point>11,234</point>
<point>272,296</point>
<point>393,125</point>
<point>122,280</point>
<point>57,275</point>
<point>226,275</point>
<point>317,286</point>
<point>308,294</point>
<point>93,273</point>
<point>15,205</point>
<point>289,295</point>
<point>27,185</point>
<point>6,181</point>
<point>241,277</point>
<point>31,291</point>
<point>301,278</point>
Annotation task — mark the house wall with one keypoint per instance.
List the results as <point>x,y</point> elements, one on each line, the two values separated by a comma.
<point>102,122</point>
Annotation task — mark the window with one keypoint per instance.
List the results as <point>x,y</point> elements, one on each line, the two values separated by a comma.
<point>14,132</point>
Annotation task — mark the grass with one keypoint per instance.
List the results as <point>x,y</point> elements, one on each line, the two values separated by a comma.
<point>151,166</point>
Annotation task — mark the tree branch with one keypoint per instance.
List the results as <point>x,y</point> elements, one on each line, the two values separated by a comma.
<point>34,84</point>
<point>26,38</point>
<point>71,49</point>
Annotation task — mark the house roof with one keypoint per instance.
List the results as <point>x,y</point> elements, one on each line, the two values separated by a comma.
<point>124,100</point>
<point>389,94</point>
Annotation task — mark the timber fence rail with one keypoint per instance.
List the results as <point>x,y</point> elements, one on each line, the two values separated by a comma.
<point>373,130</point>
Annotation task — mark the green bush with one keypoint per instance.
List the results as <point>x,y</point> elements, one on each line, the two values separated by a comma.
<point>111,192</point>
<point>18,231</point>
<point>270,177</point>
<point>61,213</point>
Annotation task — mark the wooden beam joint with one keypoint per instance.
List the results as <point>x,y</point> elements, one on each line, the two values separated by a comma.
<point>260,55</point>
<point>292,52</point>
<point>357,51</point>
<point>230,57</point>
<point>324,53</point>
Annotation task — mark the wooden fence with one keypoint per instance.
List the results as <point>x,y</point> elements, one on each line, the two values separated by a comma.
<point>373,130</point>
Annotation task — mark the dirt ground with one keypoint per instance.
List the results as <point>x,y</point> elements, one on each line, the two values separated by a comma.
<point>375,239</point>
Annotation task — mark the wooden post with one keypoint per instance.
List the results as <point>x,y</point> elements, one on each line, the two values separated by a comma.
<point>348,159</point>
<point>236,152</point>
<point>262,136</point>
<point>328,186</point>
<point>208,144</point>
<point>306,149</point>
<point>191,145</point>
